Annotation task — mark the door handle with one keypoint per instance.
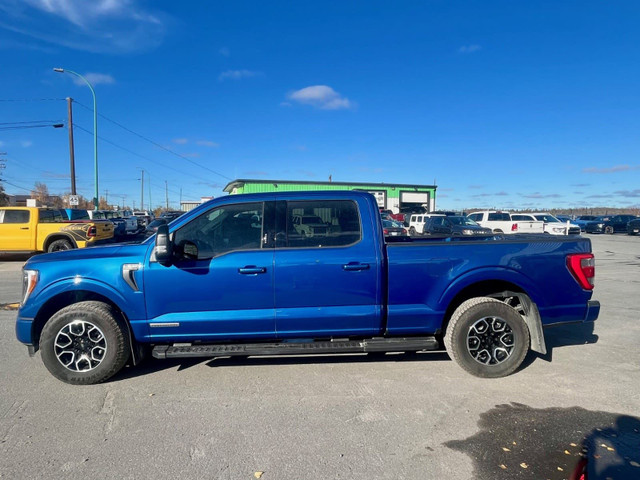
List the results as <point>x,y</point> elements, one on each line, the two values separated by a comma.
<point>252,270</point>
<point>355,266</point>
<point>24,228</point>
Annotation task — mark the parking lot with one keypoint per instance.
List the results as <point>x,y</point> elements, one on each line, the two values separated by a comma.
<point>352,417</point>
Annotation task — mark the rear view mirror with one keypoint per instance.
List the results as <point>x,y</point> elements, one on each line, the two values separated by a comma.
<point>164,248</point>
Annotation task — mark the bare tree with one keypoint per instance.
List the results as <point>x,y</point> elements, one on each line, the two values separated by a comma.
<point>40,192</point>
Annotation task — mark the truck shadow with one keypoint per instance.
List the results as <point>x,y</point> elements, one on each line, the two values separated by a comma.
<point>518,441</point>
<point>563,336</point>
<point>152,365</point>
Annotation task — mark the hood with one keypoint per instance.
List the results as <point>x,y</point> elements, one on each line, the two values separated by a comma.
<point>90,253</point>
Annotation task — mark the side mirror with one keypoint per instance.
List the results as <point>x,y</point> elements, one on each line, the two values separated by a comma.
<point>164,248</point>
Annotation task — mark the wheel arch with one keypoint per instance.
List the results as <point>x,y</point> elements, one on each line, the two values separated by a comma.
<point>52,237</point>
<point>503,290</point>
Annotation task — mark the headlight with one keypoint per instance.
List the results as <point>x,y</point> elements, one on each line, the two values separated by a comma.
<point>558,230</point>
<point>467,231</point>
<point>600,225</point>
<point>29,282</point>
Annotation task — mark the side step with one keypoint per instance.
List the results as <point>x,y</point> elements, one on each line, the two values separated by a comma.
<point>408,344</point>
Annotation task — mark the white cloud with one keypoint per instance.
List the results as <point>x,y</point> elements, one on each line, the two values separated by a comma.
<point>614,169</point>
<point>180,141</point>
<point>237,75</point>
<point>322,97</point>
<point>106,26</point>
<point>95,79</point>
<point>469,49</point>
<point>207,143</point>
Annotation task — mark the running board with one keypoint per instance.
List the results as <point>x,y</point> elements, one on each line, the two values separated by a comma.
<point>408,344</point>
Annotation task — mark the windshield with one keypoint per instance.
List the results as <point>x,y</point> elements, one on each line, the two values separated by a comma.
<point>462,221</point>
<point>547,218</point>
<point>390,224</point>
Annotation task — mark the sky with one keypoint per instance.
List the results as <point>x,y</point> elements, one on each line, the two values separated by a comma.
<point>501,104</point>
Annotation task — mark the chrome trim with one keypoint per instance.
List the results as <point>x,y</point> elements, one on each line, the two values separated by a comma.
<point>162,325</point>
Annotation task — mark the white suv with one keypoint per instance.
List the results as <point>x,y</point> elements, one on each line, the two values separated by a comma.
<point>417,221</point>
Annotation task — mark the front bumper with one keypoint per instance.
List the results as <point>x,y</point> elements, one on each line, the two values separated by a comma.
<point>23,330</point>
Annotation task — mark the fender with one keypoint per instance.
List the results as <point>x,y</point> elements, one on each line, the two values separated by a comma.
<point>129,308</point>
<point>487,274</point>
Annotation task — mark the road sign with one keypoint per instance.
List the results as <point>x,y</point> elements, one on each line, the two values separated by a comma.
<point>73,200</point>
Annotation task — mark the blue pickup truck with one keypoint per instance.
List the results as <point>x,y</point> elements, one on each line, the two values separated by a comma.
<point>239,276</point>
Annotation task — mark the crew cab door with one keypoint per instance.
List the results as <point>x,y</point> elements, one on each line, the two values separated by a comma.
<point>17,231</point>
<point>327,280</point>
<point>225,291</point>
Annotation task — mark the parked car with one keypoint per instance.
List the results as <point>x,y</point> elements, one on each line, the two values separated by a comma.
<point>633,227</point>
<point>309,225</point>
<point>152,228</point>
<point>564,218</point>
<point>393,229</point>
<point>501,222</point>
<point>123,226</point>
<point>33,229</point>
<point>170,215</point>
<point>609,224</point>
<point>144,218</point>
<point>417,221</point>
<point>406,211</point>
<point>454,226</point>
<point>551,224</point>
<point>582,220</point>
<point>183,293</point>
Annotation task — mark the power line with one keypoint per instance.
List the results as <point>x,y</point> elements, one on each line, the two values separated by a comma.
<point>32,99</point>
<point>155,143</point>
<point>24,127</point>
<point>31,121</point>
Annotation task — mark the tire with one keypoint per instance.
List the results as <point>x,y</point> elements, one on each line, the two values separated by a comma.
<point>85,343</point>
<point>412,231</point>
<point>59,245</point>
<point>465,330</point>
<point>608,229</point>
<point>497,230</point>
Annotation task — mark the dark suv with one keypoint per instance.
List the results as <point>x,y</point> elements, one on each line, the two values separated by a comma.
<point>609,224</point>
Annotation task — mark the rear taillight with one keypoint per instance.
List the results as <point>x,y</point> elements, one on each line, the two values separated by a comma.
<point>583,268</point>
<point>386,232</point>
<point>91,232</point>
<point>514,227</point>
<point>404,231</point>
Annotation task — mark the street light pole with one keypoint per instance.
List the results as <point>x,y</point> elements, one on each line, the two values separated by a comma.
<point>95,130</point>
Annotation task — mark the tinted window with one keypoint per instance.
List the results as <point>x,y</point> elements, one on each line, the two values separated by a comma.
<point>477,217</point>
<point>224,229</point>
<point>499,217</point>
<point>337,223</point>
<point>14,216</point>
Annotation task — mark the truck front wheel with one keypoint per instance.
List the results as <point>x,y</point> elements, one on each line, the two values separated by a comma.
<point>487,337</point>
<point>84,343</point>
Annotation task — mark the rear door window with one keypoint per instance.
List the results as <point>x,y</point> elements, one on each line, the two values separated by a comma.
<point>318,223</point>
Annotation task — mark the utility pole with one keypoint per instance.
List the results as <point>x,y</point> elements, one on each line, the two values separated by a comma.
<point>142,190</point>
<point>106,196</point>
<point>72,158</point>
<point>166,193</point>
<point>150,204</point>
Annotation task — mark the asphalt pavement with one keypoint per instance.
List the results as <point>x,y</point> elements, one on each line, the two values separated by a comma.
<point>331,417</point>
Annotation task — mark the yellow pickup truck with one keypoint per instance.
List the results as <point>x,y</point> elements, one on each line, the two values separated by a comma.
<point>34,229</point>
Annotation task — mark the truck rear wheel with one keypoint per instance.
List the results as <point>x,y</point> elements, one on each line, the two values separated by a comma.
<point>487,338</point>
<point>84,343</point>
<point>58,245</point>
